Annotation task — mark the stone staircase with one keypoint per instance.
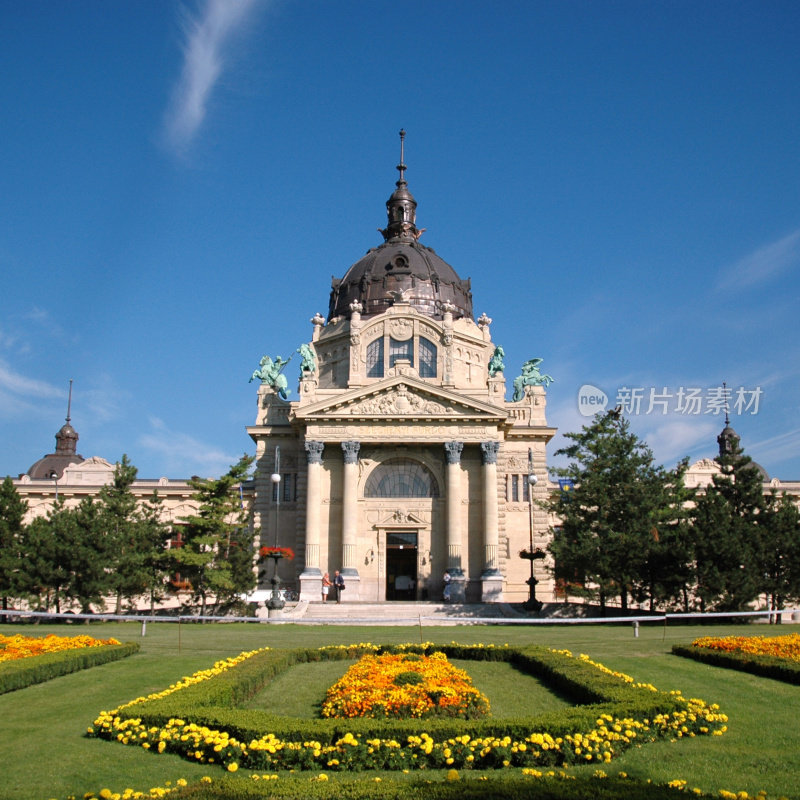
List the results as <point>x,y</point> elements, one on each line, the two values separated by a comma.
<point>390,613</point>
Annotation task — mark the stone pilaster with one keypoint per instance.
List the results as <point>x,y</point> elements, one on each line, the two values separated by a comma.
<point>311,577</point>
<point>455,568</point>
<point>492,580</point>
<point>350,511</point>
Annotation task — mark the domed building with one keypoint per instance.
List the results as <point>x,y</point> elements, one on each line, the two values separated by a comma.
<point>402,458</point>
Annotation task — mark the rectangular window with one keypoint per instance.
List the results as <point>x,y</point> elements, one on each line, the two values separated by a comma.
<point>287,487</point>
<point>401,350</point>
<point>515,488</point>
<point>525,488</point>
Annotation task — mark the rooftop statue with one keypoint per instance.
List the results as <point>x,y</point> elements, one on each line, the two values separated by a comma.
<point>530,377</point>
<point>270,372</point>
<point>496,363</point>
<point>309,360</point>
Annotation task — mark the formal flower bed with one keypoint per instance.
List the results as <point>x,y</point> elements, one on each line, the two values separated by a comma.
<point>776,657</point>
<point>404,685</point>
<point>13,648</point>
<point>778,646</point>
<point>206,726</point>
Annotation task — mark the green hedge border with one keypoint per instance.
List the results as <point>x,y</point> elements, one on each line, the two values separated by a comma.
<point>780,669</point>
<point>507,787</point>
<point>215,703</point>
<point>25,672</point>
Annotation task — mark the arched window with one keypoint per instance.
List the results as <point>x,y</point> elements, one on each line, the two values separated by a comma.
<point>375,359</point>
<point>427,358</point>
<point>401,477</point>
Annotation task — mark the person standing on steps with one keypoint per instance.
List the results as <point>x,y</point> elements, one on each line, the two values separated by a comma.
<point>326,587</point>
<point>338,585</point>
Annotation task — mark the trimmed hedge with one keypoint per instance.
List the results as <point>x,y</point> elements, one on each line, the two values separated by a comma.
<point>38,669</point>
<point>780,669</point>
<point>215,703</point>
<point>505,787</point>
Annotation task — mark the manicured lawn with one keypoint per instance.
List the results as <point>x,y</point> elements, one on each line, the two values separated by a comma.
<point>45,754</point>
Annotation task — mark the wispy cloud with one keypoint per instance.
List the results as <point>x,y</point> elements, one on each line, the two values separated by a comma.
<point>776,449</point>
<point>185,455</point>
<point>19,394</point>
<point>206,36</point>
<point>767,262</point>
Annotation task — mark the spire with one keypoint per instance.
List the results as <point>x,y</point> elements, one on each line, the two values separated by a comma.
<point>67,438</point>
<point>401,207</point>
<point>728,440</point>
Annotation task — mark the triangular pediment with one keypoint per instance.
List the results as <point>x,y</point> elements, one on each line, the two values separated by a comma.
<point>401,398</point>
<point>401,519</point>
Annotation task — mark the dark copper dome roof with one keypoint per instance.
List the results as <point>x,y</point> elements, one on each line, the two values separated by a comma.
<point>401,270</point>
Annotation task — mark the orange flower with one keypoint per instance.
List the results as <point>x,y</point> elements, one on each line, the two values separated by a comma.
<point>15,647</point>
<point>779,646</point>
<point>404,685</point>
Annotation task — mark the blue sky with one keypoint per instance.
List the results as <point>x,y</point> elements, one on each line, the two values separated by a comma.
<point>179,182</point>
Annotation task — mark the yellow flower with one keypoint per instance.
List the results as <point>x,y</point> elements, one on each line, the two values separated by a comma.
<point>233,766</point>
<point>452,775</point>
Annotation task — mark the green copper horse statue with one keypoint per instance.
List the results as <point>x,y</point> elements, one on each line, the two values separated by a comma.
<point>530,377</point>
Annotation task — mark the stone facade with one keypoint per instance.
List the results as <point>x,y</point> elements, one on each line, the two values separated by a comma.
<point>402,458</point>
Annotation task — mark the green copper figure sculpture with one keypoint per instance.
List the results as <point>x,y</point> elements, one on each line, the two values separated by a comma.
<point>270,372</point>
<point>309,360</point>
<point>530,377</point>
<point>496,363</point>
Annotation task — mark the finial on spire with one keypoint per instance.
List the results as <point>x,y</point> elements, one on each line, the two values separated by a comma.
<point>727,408</point>
<point>401,167</point>
<point>69,402</point>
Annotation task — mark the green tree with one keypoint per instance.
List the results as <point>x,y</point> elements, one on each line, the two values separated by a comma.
<point>128,530</point>
<point>777,552</point>
<point>610,520</point>
<point>154,536</point>
<point>726,531</point>
<point>12,513</point>
<point>211,536</point>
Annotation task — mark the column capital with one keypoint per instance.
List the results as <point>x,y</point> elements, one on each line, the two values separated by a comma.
<point>350,450</point>
<point>489,452</point>
<point>452,451</point>
<point>314,452</point>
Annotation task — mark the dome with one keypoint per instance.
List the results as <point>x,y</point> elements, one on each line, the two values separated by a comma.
<point>401,270</point>
<point>54,464</point>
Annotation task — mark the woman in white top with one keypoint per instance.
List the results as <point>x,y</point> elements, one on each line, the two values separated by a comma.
<point>326,587</point>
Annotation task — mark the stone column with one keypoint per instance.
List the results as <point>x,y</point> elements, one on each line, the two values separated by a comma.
<point>311,577</point>
<point>350,511</point>
<point>455,568</point>
<point>491,578</point>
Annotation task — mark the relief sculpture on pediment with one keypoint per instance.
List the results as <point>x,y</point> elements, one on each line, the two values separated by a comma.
<point>399,401</point>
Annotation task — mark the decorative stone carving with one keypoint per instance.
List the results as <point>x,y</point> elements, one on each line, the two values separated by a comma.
<point>452,452</point>
<point>350,450</point>
<point>484,321</point>
<point>401,329</point>
<point>399,401</point>
<point>314,452</point>
<point>489,452</point>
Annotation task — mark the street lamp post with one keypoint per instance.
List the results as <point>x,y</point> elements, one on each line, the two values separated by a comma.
<point>532,604</point>
<point>275,601</point>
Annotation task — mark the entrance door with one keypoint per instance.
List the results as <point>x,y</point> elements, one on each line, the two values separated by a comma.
<point>401,565</point>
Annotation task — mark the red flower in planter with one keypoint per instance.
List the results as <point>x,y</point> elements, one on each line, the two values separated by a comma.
<point>276,552</point>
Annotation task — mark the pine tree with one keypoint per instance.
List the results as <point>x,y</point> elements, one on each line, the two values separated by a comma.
<point>726,530</point>
<point>619,498</point>
<point>208,536</point>
<point>12,513</point>
<point>777,552</point>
